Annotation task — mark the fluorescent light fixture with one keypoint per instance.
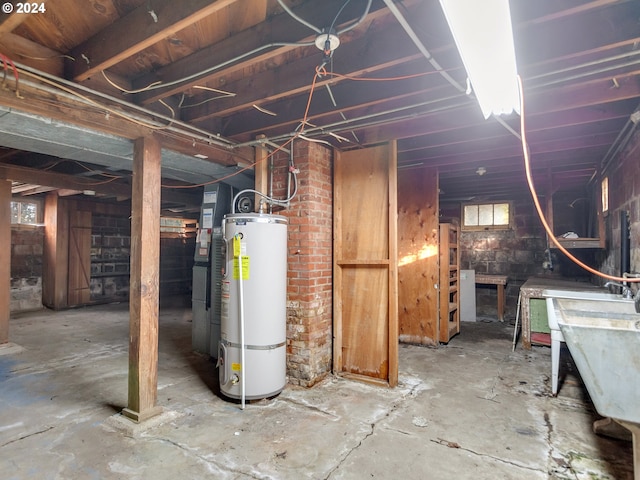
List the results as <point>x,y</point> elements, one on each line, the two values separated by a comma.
<point>484,37</point>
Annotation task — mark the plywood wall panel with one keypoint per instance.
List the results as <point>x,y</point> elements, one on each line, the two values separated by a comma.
<point>365,264</point>
<point>418,225</point>
<point>367,321</point>
<point>365,197</point>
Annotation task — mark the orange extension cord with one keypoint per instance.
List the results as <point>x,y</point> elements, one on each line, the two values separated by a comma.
<point>527,167</point>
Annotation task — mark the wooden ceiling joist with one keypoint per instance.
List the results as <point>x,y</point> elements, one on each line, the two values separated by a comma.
<point>140,29</point>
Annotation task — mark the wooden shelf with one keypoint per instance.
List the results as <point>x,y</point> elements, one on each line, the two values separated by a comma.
<point>579,243</point>
<point>449,297</point>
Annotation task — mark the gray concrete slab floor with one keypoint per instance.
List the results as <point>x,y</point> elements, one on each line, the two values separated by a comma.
<point>472,409</point>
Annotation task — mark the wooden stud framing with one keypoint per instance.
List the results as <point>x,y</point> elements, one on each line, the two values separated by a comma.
<point>144,283</point>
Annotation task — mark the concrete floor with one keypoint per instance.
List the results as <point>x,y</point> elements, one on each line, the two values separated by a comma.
<point>469,410</point>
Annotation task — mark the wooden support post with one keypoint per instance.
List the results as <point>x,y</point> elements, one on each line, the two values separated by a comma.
<point>55,260</point>
<point>144,282</point>
<point>5,259</point>
<point>261,171</point>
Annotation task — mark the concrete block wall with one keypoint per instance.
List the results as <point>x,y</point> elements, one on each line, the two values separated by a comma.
<point>624,195</point>
<point>26,268</point>
<point>310,262</point>
<point>517,253</point>
<point>110,249</point>
<point>176,264</point>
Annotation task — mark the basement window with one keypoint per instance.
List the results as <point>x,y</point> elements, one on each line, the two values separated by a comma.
<point>25,212</point>
<point>605,194</point>
<point>178,227</point>
<point>486,216</point>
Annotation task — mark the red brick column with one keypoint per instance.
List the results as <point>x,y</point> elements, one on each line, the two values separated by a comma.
<point>309,290</point>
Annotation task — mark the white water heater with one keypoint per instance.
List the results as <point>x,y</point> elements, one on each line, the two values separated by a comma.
<point>254,313</point>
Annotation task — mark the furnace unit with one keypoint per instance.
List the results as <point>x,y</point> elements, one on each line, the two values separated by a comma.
<point>207,269</point>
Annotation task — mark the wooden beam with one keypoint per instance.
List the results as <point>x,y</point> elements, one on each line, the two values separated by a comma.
<point>55,260</point>
<point>261,171</point>
<point>61,108</point>
<point>32,54</point>
<point>279,29</point>
<point>73,183</point>
<point>10,22</point>
<point>5,260</point>
<point>137,31</point>
<point>383,47</point>
<point>144,281</point>
<point>545,101</point>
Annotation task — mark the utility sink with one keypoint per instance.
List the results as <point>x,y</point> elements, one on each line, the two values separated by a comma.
<point>556,334</point>
<point>603,336</point>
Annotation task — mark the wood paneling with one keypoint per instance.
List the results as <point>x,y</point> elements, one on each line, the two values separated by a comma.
<point>79,291</point>
<point>365,252</point>
<point>55,260</point>
<point>418,256</point>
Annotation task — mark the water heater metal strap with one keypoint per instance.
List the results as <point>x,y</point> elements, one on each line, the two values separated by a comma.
<point>253,347</point>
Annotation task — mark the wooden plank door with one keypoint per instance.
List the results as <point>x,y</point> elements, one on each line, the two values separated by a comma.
<point>79,289</point>
<point>365,264</point>
<point>418,275</point>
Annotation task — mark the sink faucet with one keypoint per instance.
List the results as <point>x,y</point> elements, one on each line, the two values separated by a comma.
<point>626,291</point>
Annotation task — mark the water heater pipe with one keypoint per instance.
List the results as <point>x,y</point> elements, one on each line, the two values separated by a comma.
<point>243,372</point>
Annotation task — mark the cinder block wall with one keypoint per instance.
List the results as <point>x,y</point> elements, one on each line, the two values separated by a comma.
<point>517,253</point>
<point>110,245</point>
<point>26,268</point>
<point>310,264</point>
<point>624,195</point>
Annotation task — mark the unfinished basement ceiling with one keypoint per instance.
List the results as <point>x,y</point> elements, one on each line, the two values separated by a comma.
<point>237,69</point>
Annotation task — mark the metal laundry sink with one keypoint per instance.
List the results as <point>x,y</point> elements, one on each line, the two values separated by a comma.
<point>603,336</point>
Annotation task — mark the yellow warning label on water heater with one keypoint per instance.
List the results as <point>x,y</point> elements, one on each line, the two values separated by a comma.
<point>245,268</point>
<point>236,367</point>
<point>237,246</point>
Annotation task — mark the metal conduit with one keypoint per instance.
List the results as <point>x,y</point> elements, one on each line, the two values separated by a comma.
<point>418,43</point>
<point>199,134</point>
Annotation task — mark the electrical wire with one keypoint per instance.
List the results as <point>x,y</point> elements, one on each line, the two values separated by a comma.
<point>179,128</point>
<point>124,90</point>
<point>206,71</point>
<point>357,22</point>
<point>527,165</point>
<point>231,175</point>
<point>93,102</point>
<point>298,19</point>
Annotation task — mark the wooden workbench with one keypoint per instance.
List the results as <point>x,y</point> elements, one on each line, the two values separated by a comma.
<point>533,288</point>
<point>500,281</point>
